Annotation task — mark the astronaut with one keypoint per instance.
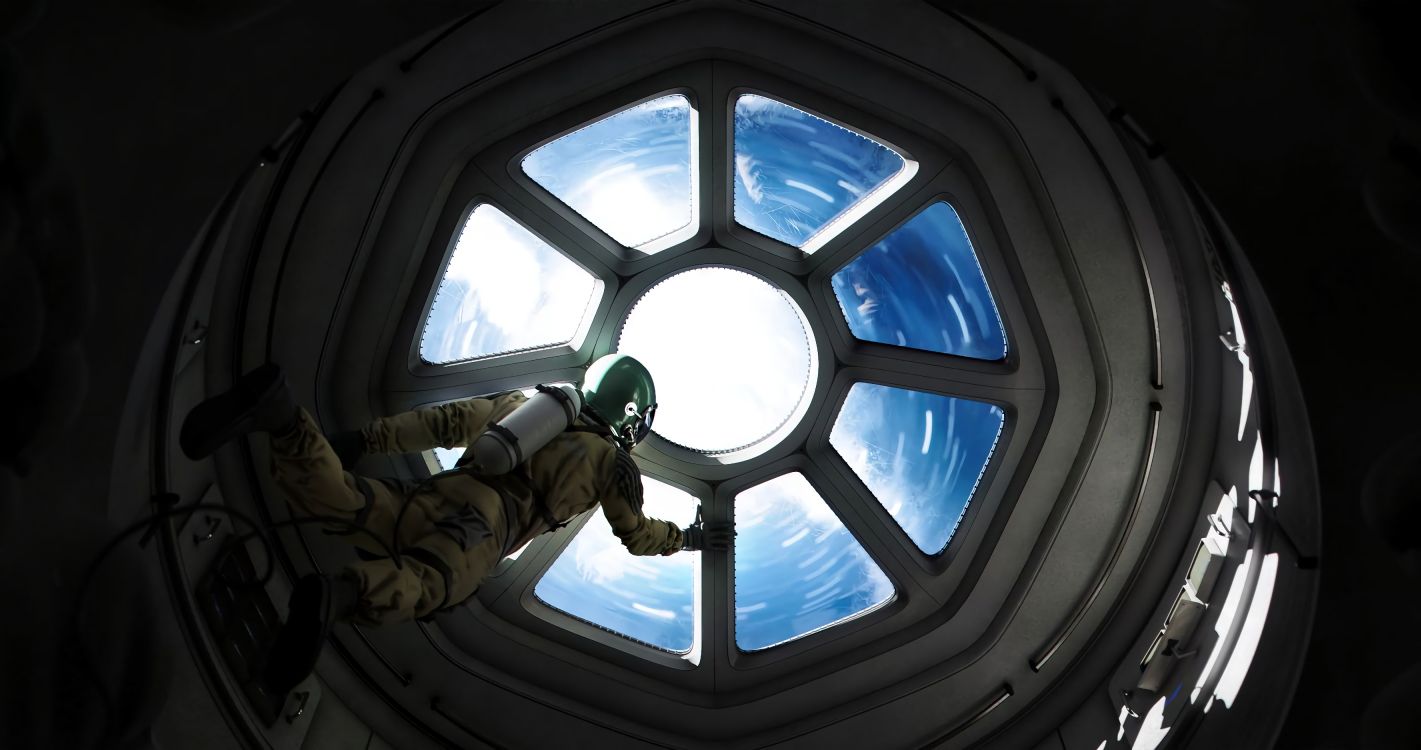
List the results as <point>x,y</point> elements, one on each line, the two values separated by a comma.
<point>531,464</point>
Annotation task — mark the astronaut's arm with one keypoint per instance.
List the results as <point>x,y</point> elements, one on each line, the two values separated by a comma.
<point>641,534</point>
<point>451,425</point>
<point>622,505</point>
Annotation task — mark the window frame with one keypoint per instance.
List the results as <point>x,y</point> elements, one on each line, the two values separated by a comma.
<point>496,169</point>
<point>992,292</point>
<point>889,188</point>
<point>579,337</point>
<point>678,238</point>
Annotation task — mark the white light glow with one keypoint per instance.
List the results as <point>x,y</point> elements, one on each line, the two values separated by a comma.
<point>927,432</point>
<point>620,203</point>
<point>783,594</point>
<point>1152,730</point>
<point>1227,612</point>
<point>1250,635</point>
<point>448,458</point>
<point>1246,397</point>
<point>1225,513</point>
<point>633,174</point>
<point>651,599</point>
<point>890,477</point>
<point>729,353</point>
<point>505,289</point>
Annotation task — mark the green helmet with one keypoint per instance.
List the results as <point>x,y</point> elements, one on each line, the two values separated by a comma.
<point>618,391</point>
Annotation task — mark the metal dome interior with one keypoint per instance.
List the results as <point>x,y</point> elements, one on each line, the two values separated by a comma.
<point>1124,552</point>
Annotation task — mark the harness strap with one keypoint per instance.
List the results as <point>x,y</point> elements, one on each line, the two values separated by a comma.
<point>510,438</point>
<point>422,555</point>
<point>558,394</point>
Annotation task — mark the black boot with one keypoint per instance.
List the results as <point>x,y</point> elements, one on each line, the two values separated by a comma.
<point>316,604</point>
<point>260,400</point>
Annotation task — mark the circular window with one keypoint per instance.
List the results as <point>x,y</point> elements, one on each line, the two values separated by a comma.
<point>731,354</point>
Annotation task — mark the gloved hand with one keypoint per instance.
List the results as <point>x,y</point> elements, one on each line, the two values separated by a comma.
<point>349,446</point>
<point>700,535</point>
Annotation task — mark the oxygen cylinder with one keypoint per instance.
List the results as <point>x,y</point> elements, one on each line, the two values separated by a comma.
<point>530,427</point>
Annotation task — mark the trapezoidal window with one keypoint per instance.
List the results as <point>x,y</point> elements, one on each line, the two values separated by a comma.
<point>920,454</point>
<point>650,599</point>
<point>922,287</point>
<point>505,290</point>
<point>801,179</point>
<point>631,174</point>
<point>798,570</point>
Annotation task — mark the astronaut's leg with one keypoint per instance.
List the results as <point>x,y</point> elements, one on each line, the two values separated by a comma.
<point>435,575</point>
<point>307,470</point>
<point>302,461</point>
<point>309,473</point>
<point>438,570</point>
<point>260,401</point>
<point>375,592</point>
<point>316,603</point>
<point>441,569</point>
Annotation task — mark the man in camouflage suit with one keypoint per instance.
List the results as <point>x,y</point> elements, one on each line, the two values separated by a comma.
<point>450,532</point>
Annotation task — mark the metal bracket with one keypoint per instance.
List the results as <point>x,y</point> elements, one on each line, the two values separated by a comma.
<point>1217,524</point>
<point>195,335</point>
<point>1231,342</point>
<point>213,523</point>
<point>1128,695</point>
<point>301,699</point>
<point>1265,499</point>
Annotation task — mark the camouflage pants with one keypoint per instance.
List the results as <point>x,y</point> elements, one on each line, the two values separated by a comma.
<point>451,535</point>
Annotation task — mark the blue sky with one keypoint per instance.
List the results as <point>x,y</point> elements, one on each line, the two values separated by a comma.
<point>650,598</point>
<point>795,173</point>
<point>920,454</point>
<point>630,174</point>
<point>505,289</point>
<point>797,568</point>
<point>922,287</point>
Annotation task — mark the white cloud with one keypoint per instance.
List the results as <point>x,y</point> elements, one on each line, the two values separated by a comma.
<point>629,174</point>
<point>511,290</point>
<point>882,470</point>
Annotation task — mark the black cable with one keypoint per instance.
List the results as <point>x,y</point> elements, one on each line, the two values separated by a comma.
<point>86,658</point>
<point>258,531</point>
